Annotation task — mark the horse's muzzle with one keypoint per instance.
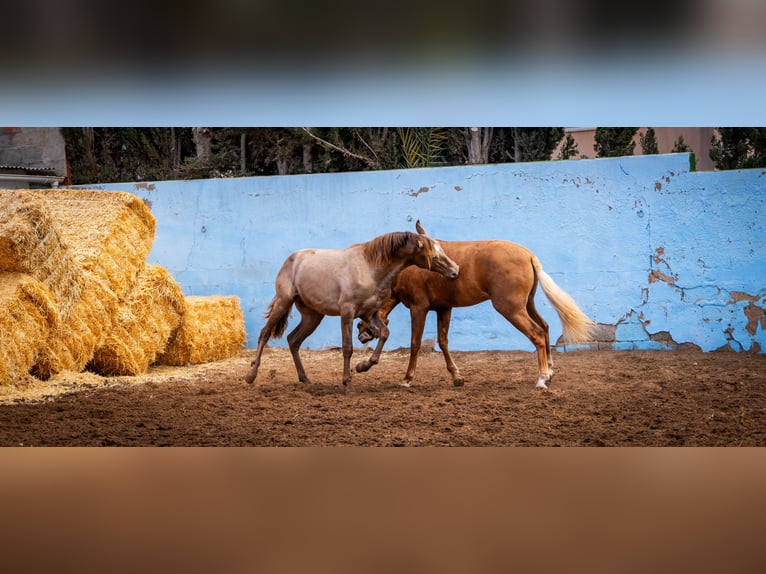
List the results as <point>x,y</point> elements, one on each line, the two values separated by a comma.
<point>365,336</point>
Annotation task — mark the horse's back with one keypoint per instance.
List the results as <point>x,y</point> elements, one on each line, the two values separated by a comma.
<point>485,267</point>
<point>320,277</point>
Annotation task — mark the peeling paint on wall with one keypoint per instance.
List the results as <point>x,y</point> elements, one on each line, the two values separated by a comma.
<point>756,314</point>
<point>413,193</point>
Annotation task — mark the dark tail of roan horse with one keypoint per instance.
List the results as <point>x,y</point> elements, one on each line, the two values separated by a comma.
<point>277,322</point>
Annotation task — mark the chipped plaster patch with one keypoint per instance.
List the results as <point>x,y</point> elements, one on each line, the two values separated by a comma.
<point>755,315</point>
<point>413,193</point>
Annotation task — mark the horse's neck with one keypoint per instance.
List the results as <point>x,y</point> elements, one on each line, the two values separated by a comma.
<point>385,275</point>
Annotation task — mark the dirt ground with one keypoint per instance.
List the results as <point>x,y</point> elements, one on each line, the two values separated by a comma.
<point>604,398</point>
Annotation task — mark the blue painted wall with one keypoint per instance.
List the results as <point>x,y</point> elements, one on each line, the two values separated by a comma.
<point>659,255</point>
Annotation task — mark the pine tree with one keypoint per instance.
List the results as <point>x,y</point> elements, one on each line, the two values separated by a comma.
<point>569,149</point>
<point>739,148</point>
<point>680,146</point>
<point>614,142</point>
<point>524,144</point>
<point>648,142</point>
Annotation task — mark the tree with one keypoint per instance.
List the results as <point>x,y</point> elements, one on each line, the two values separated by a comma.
<point>102,155</point>
<point>680,146</point>
<point>203,140</point>
<point>525,144</point>
<point>341,149</point>
<point>535,144</point>
<point>569,149</point>
<point>423,147</point>
<point>614,142</point>
<point>648,142</point>
<point>739,148</point>
<point>478,142</point>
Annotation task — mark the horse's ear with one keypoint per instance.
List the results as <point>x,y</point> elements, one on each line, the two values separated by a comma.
<point>419,228</point>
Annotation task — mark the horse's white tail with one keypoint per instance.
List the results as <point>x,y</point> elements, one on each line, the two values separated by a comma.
<point>577,326</point>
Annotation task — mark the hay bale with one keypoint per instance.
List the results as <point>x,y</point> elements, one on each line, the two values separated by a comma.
<point>72,344</point>
<point>143,323</point>
<point>27,314</point>
<point>213,328</point>
<point>110,233</point>
<point>86,247</point>
<point>30,243</point>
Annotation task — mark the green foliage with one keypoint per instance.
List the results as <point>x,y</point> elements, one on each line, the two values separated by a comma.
<point>423,147</point>
<point>525,144</point>
<point>614,142</point>
<point>103,155</point>
<point>569,149</point>
<point>739,148</point>
<point>648,142</point>
<point>680,146</point>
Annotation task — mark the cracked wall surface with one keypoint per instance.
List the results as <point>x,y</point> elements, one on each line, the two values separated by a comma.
<point>660,257</point>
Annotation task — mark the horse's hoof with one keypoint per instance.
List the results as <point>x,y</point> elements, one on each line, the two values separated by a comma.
<point>362,367</point>
<point>541,385</point>
<point>458,382</point>
<point>406,384</point>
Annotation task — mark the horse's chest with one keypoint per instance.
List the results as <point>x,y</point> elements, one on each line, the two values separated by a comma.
<point>366,296</point>
<point>376,297</point>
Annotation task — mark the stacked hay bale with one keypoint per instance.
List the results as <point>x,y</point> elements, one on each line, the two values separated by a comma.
<point>86,247</point>
<point>78,256</point>
<point>143,323</point>
<point>27,315</point>
<point>213,328</point>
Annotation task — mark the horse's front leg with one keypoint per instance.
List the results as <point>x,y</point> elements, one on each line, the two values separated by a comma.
<point>346,326</point>
<point>382,329</point>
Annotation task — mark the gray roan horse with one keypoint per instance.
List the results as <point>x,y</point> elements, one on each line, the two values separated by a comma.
<point>353,283</point>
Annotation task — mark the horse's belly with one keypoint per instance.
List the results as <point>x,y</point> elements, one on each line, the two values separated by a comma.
<point>456,295</point>
<point>324,301</point>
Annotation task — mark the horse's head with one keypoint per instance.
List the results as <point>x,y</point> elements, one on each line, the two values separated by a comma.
<point>430,255</point>
<point>365,332</point>
<point>414,248</point>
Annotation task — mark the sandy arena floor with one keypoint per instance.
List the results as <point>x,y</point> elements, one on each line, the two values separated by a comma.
<point>605,398</point>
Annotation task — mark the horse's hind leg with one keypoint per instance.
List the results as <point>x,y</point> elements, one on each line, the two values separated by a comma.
<point>418,323</point>
<point>256,363</point>
<point>310,320</point>
<point>277,314</point>
<point>443,318</point>
<point>535,316</point>
<point>520,319</point>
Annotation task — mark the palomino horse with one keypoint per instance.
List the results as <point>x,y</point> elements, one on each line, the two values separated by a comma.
<point>352,282</point>
<point>503,272</point>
